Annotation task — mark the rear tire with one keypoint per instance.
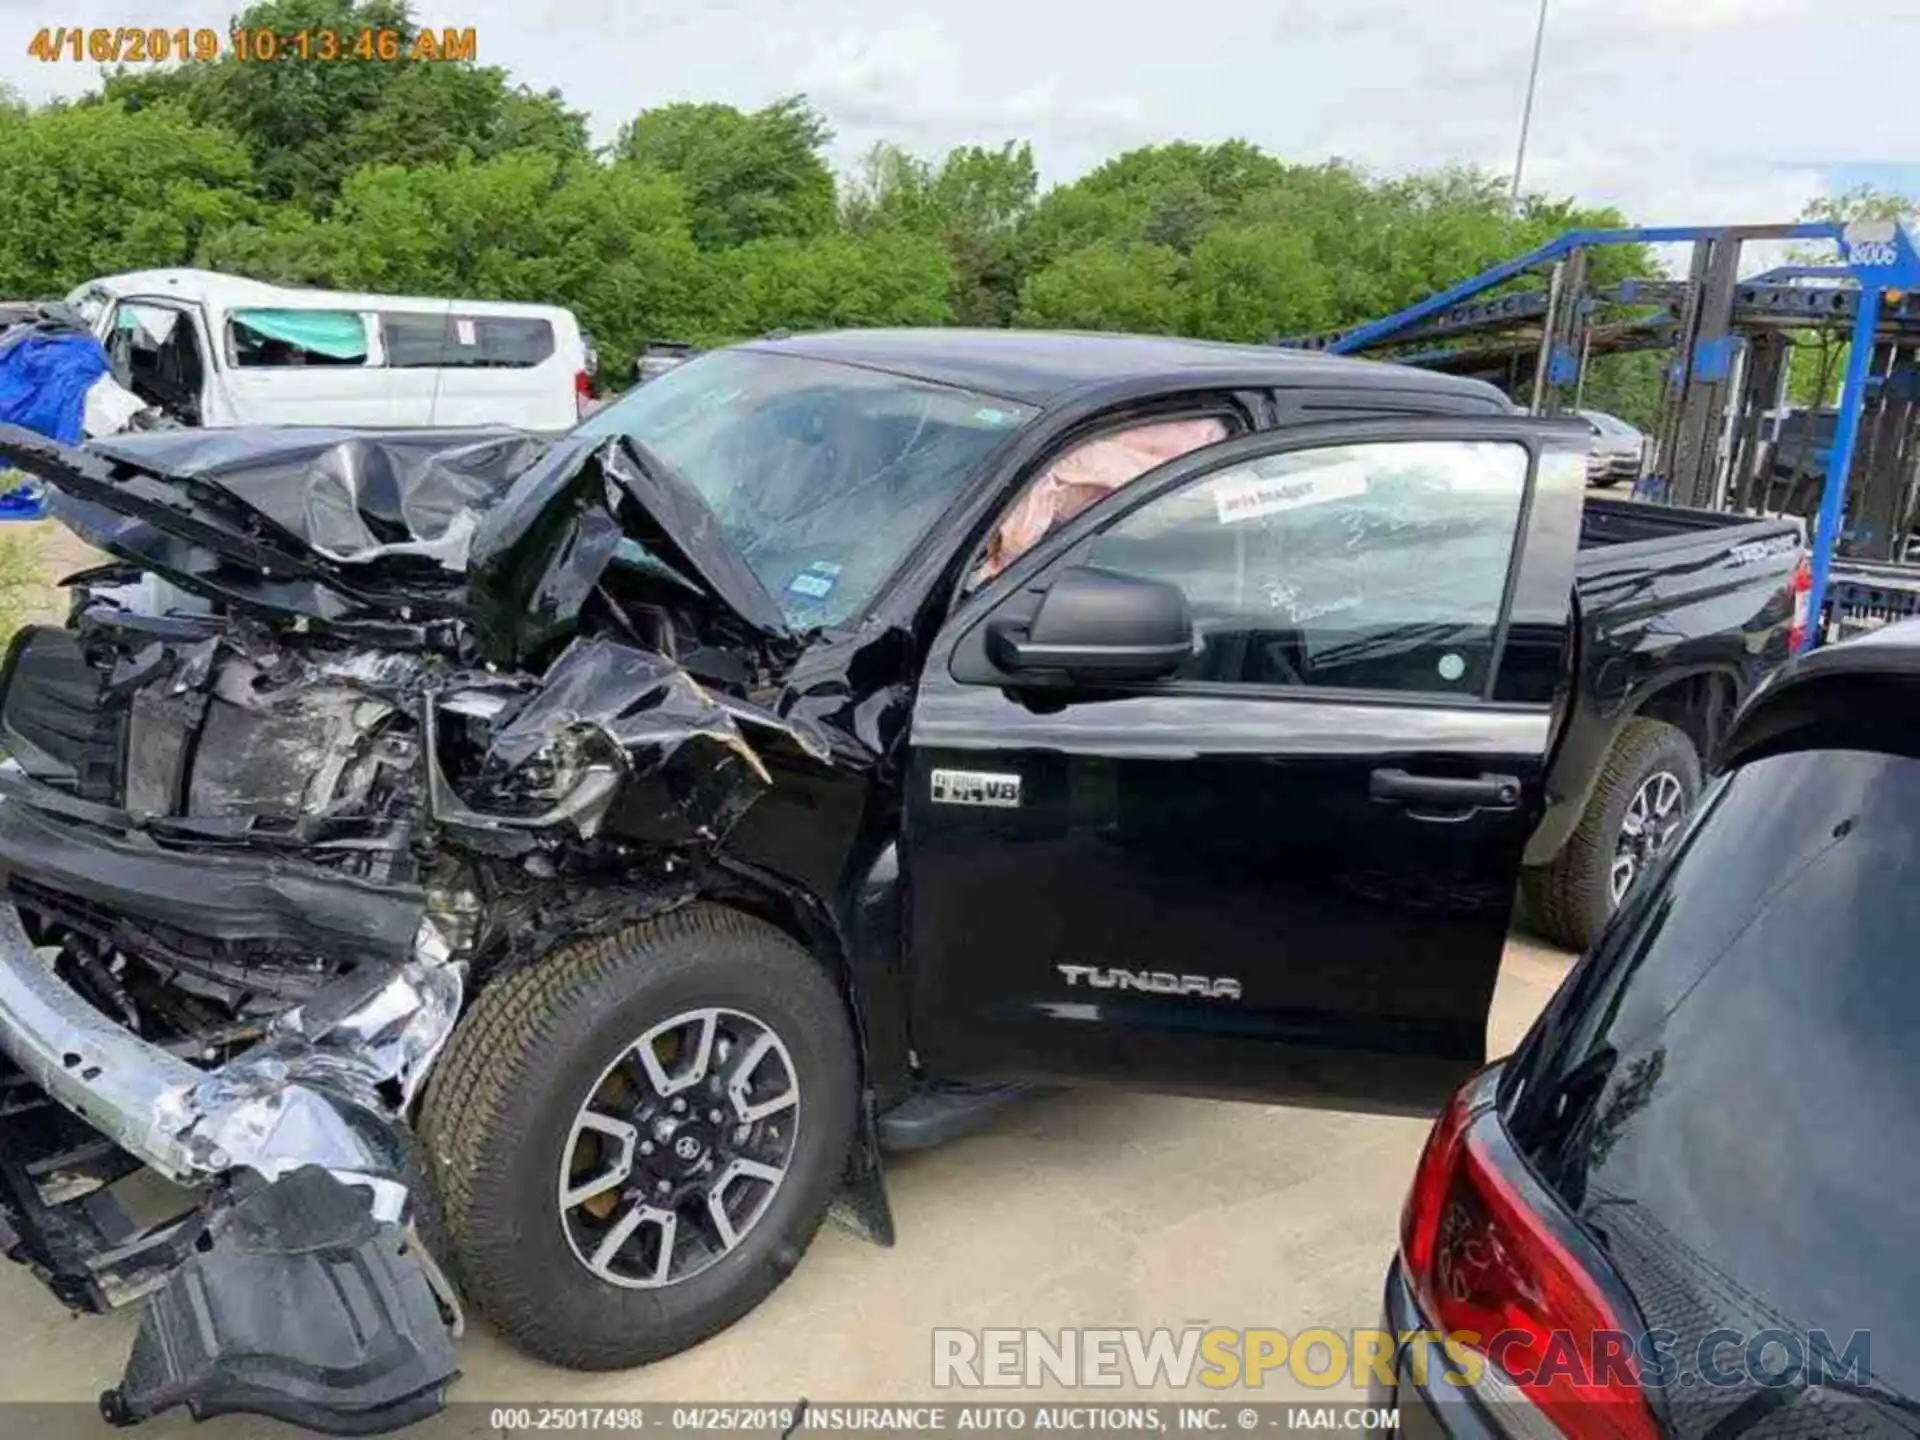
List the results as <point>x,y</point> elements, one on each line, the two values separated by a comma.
<point>1570,900</point>
<point>501,1130</point>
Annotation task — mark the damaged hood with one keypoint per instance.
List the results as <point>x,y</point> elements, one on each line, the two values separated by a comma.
<point>542,546</point>
<point>355,497</point>
<point>340,525</point>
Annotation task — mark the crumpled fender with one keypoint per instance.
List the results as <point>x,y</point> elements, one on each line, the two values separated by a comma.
<point>684,757</point>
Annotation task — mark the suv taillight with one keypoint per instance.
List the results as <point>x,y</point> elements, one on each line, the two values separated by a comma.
<point>1482,1259</point>
<point>1802,596</point>
<point>582,392</point>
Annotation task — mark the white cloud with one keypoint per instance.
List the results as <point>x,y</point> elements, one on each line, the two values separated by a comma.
<point>1673,110</point>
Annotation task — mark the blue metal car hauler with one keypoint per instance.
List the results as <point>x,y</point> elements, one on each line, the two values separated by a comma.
<point>1723,440</point>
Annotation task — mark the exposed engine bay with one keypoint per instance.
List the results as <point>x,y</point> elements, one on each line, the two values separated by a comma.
<point>406,757</point>
<point>393,790</point>
<point>350,725</point>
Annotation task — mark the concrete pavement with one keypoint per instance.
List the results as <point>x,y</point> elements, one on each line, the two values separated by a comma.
<point>1092,1208</point>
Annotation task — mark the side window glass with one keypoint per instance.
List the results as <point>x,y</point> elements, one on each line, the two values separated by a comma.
<point>494,342</point>
<point>274,338</point>
<point>1088,472</point>
<point>136,337</point>
<point>1379,566</point>
<point>501,341</point>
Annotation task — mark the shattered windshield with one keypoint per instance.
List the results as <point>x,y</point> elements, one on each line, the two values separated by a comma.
<point>822,475</point>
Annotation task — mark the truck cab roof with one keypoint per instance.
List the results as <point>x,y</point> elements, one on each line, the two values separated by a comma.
<point>1045,367</point>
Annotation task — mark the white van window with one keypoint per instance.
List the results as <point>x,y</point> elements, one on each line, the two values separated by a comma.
<point>511,342</point>
<point>297,337</point>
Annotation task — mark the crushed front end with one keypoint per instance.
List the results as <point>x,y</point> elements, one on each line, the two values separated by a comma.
<point>288,788</point>
<point>201,976</point>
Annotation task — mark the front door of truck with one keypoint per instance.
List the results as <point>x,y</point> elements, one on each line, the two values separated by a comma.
<point>1224,787</point>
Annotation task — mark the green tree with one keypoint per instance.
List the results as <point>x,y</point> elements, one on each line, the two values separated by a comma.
<point>1161,194</point>
<point>93,190</point>
<point>1630,384</point>
<point>974,202</point>
<point>292,117</point>
<point>609,242</point>
<point>984,198</point>
<point>706,222</point>
<point>1239,245</point>
<point>528,119</point>
<point>746,176</point>
<point>281,244</point>
<point>1265,248</point>
<point>1254,282</point>
<point>1862,202</point>
<point>1818,364</point>
<point>1106,286</point>
<point>890,189</point>
<point>308,125</point>
<point>890,277</point>
<point>432,113</point>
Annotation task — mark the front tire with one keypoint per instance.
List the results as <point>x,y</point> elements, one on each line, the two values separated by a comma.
<point>705,1038</point>
<point>1639,805</point>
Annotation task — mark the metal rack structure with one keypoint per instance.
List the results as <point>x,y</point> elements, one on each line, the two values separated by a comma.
<point>1726,437</point>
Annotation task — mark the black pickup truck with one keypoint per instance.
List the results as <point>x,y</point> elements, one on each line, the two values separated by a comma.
<point>550,873</point>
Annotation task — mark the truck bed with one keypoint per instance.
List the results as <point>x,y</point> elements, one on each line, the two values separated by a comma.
<point>1625,545</point>
<point>1665,597</point>
<point>1605,523</point>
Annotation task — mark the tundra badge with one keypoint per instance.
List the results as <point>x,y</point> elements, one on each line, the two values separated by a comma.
<point>1154,982</point>
<point>976,787</point>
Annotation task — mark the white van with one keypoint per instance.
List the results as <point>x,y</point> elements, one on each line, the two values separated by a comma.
<point>214,349</point>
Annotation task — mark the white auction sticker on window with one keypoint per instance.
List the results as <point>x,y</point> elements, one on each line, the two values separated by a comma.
<point>1258,496</point>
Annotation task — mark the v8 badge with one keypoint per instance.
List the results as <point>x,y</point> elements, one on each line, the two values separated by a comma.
<point>976,787</point>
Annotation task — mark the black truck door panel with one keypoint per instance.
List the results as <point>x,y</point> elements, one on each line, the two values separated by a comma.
<point>1285,869</point>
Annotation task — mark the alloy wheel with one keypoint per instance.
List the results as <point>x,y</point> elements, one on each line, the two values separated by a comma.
<point>1654,816</point>
<point>679,1148</point>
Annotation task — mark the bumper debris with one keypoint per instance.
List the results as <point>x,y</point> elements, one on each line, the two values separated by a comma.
<point>298,1304</point>
<point>303,1293</point>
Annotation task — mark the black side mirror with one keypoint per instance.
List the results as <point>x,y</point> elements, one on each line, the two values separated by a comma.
<point>1098,626</point>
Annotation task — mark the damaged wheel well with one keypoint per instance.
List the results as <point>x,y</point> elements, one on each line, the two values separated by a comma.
<point>802,919</point>
<point>1699,705</point>
<point>863,1206</point>
<point>552,917</point>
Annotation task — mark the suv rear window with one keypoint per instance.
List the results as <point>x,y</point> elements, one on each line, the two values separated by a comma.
<point>420,341</point>
<point>1730,1095</point>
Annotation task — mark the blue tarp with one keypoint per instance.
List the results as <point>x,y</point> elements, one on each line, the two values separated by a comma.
<point>44,379</point>
<point>46,370</point>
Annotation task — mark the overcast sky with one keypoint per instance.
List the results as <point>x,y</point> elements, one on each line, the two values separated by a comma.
<point>1675,110</point>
